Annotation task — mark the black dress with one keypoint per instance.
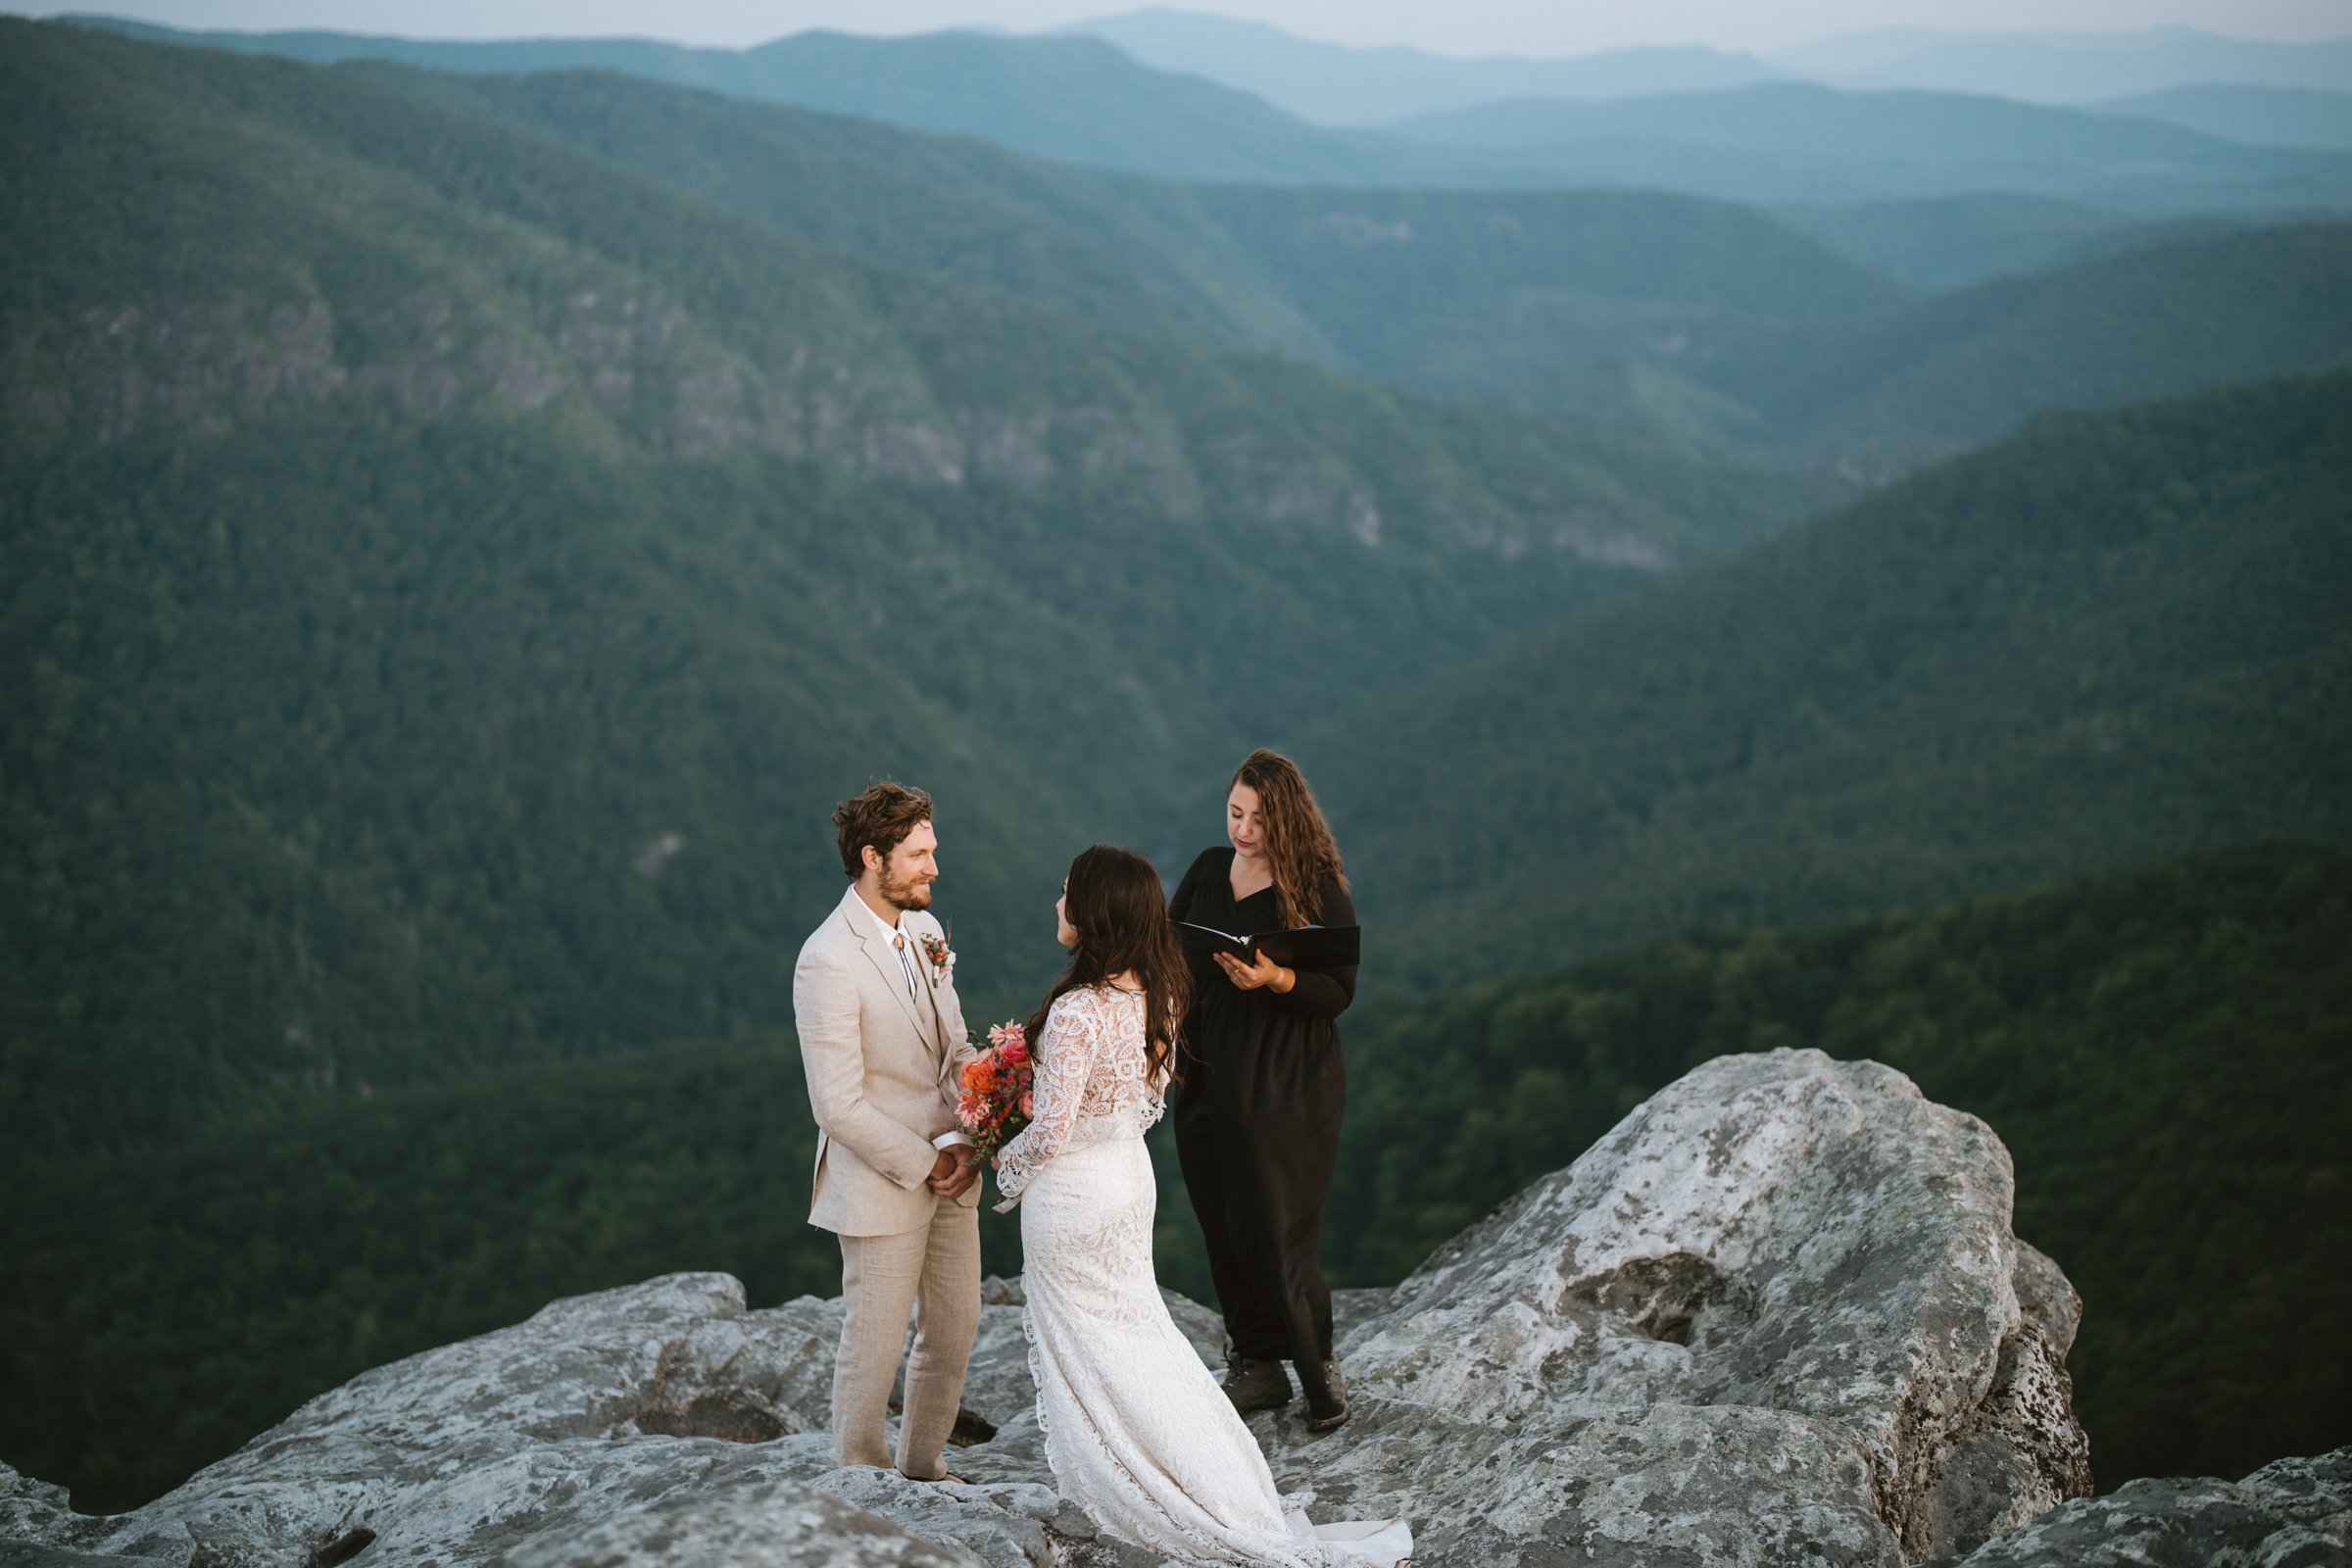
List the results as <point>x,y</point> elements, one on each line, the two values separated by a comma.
<point>1257,1126</point>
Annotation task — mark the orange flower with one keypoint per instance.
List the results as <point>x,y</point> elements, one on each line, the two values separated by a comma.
<point>980,1076</point>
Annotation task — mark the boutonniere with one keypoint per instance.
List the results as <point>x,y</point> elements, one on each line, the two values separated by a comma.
<point>942,957</point>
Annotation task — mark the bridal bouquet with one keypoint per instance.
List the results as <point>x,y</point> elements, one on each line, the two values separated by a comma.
<point>998,1098</point>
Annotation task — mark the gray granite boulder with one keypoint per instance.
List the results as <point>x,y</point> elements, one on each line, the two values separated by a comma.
<point>1786,1279</point>
<point>1774,1317</point>
<point>2294,1513</point>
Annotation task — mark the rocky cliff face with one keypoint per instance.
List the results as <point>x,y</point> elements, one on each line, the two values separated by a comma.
<point>1776,1317</point>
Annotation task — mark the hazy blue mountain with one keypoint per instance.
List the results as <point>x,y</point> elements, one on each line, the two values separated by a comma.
<point>2158,319</point>
<point>1076,99</point>
<point>1949,242</point>
<point>2066,68</point>
<point>2115,635</point>
<point>1339,84</point>
<point>1079,99</point>
<point>2262,116</point>
<point>1781,142</point>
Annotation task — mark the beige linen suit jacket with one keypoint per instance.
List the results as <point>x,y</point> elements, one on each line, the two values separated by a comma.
<point>882,1070</point>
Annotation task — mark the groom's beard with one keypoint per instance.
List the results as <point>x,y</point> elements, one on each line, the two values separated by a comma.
<point>908,895</point>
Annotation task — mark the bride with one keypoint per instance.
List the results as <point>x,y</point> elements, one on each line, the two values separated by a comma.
<point>1136,1431</point>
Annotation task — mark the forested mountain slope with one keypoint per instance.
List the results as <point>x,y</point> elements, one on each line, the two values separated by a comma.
<point>1667,317</point>
<point>2117,634</point>
<point>1245,264</point>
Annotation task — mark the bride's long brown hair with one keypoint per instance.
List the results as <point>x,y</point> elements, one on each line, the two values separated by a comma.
<point>1298,842</point>
<point>1115,902</point>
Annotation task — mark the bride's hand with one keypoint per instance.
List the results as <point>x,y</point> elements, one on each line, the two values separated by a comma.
<point>1251,976</point>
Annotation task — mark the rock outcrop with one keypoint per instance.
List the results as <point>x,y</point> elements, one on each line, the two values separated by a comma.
<point>2294,1513</point>
<point>1787,1282</point>
<point>1774,1317</point>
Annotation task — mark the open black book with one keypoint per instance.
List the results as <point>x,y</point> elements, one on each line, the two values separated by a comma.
<point>1310,947</point>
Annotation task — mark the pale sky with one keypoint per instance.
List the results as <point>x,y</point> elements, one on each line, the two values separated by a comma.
<point>1446,26</point>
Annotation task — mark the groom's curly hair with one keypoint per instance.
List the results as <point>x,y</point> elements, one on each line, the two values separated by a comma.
<point>881,815</point>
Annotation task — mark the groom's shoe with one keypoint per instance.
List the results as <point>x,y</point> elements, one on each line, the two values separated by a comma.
<point>1337,1416</point>
<point>1254,1385</point>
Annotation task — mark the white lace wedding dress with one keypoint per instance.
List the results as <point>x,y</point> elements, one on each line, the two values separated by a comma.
<point>1136,1431</point>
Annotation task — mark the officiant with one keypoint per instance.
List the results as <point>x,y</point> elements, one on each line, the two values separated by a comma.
<point>1258,1110</point>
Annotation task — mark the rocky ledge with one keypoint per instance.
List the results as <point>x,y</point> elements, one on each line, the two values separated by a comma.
<point>1776,1317</point>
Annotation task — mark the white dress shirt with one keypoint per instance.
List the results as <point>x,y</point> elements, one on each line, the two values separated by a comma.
<point>899,944</point>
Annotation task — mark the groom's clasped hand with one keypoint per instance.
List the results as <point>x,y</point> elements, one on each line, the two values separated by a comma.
<point>955,1172</point>
<point>1247,1053</point>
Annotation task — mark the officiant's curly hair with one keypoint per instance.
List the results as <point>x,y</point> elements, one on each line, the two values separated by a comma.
<point>1120,912</point>
<point>1298,840</point>
<point>881,815</point>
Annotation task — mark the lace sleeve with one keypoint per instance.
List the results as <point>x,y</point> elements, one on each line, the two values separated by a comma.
<point>1065,1057</point>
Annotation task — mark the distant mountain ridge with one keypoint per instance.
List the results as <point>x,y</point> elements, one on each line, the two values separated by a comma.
<point>1079,99</point>
<point>2259,116</point>
<point>1334,84</point>
<point>2062,67</point>
<point>1345,84</point>
<point>1789,143</point>
<point>1074,98</point>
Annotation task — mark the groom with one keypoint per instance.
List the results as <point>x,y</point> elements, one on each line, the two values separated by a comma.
<point>882,1041</point>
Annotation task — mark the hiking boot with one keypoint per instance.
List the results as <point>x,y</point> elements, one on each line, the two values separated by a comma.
<point>1337,1416</point>
<point>1254,1385</point>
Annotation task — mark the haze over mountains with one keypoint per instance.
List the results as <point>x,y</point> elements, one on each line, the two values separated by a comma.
<point>1077,99</point>
<point>467,510</point>
<point>1333,85</point>
<point>1337,84</point>
<point>2266,117</point>
<point>2060,66</point>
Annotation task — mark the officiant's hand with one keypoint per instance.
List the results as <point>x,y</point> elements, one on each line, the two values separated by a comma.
<point>1265,973</point>
<point>954,1171</point>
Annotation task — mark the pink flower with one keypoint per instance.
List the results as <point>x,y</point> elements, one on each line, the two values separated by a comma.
<point>1028,1103</point>
<point>1013,1052</point>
